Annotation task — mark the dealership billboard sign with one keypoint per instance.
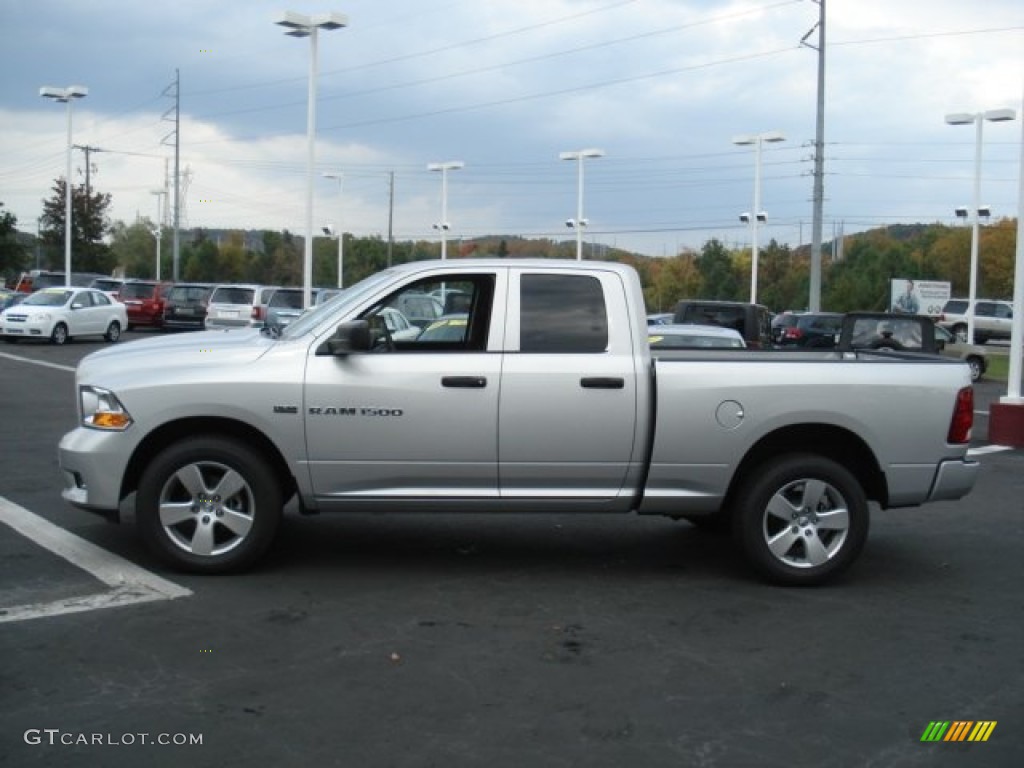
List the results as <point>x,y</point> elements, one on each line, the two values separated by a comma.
<point>918,297</point>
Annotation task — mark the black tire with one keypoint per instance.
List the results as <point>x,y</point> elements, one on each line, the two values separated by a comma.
<point>113,332</point>
<point>59,335</point>
<point>800,519</point>
<point>209,505</point>
<point>977,366</point>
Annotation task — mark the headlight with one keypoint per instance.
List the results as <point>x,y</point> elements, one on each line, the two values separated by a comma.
<point>101,409</point>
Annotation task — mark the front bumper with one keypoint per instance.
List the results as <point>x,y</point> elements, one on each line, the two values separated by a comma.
<point>93,463</point>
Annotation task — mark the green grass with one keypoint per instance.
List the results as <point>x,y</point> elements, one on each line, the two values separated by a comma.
<point>998,367</point>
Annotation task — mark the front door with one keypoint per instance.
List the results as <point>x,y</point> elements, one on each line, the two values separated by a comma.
<point>414,420</point>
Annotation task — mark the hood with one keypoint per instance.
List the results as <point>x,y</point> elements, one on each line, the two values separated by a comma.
<point>170,352</point>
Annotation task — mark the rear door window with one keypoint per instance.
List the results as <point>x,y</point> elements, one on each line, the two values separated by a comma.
<point>562,314</point>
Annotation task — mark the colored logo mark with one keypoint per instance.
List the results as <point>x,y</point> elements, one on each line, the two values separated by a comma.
<point>958,730</point>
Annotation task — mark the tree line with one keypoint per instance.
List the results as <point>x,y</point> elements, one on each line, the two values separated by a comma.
<point>858,280</point>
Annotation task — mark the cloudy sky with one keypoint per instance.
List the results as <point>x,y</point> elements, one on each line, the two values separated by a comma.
<point>662,86</point>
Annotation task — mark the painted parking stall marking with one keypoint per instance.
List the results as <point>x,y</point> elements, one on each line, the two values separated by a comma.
<point>128,583</point>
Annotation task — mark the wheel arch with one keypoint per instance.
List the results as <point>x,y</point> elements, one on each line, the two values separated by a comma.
<point>173,431</point>
<point>826,440</point>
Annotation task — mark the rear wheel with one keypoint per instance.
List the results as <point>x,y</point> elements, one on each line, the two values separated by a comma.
<point>209,505</point>
<point>801,519</point>
<point>113,331</point>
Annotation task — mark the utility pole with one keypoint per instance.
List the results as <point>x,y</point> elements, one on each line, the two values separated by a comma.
<point>391,214</point>
<point>88,166</point>
<point>814,304</point>
<point>174,91</point>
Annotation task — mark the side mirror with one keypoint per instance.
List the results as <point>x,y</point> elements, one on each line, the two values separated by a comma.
<point>351,337</point>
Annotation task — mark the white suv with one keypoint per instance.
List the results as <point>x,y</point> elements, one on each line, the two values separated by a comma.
<point>992,319</point>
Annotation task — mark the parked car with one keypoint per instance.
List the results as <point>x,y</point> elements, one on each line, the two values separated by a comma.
<point>398,325</point>
<point>753,321</point>
<point>144,300</point>
<point>37,279</point>
<point>283,306</point>
<point>61,313</point>
<point>9,298</point>
<point>109,285</point>
<point>185,305</point>
<point>447,328</point>
<point>693,337</point>
<point>807,329</point>
<point>420,308</point>
<point>326,294</point>
<point>234,306</point>
<point>992,319</point>
<point>972,354</point>
<point>660,318</point>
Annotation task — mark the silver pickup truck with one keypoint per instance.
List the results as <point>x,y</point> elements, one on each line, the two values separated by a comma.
<point>536,391</point>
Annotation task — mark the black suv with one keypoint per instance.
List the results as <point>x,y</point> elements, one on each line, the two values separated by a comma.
<point>807,329</point>
<point>185,305</point>
<point>753,321</point>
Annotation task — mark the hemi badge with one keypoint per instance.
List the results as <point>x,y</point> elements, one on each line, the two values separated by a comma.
<point>286,409</point>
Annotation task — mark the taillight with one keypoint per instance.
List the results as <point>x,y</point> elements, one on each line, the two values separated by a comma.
<point>963,417</point>
<point>792,333</point>
<point>257,313</point>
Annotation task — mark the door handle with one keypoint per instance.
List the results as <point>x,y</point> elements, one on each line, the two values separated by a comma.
<point>603,382</point>
<point>464,382</point>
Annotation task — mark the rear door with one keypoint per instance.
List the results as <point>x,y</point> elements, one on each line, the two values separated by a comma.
<point>568,414</point>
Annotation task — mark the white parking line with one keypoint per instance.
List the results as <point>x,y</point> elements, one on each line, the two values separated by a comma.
<point>129,584</point>
<point>43,363</point>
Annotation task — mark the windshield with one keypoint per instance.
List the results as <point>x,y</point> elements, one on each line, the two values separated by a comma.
<point>48,299</point>
<point>347,298</point>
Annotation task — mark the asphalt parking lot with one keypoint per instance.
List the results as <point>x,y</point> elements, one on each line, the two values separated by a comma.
<point>502,641</point>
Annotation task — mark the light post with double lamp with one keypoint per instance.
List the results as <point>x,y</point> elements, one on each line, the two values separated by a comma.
<point>159,193</point>
<point>978,120</point>
<point>300,25</point>
<point>443,226</point>
<point>66,96</point>
<point>756,216</point>
<point>340,178</point>
<point>579,222</point>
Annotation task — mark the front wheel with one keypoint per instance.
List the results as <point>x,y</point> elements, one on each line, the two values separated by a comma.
<point>976,366</point>
<point>59,336</point>
<point>801,519</point>
<point>209,505</point>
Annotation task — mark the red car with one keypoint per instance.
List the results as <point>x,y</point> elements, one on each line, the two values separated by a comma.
<point>144,300</point>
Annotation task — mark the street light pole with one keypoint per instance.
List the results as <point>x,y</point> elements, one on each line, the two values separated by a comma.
<point>300,25</point>
<point>978,119</point>
<point>159,193</point>
<point>443,225</point>
<point>66,95</point>
<point>340,177</point>
<point>579,222</point>
<point>756,215</point>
